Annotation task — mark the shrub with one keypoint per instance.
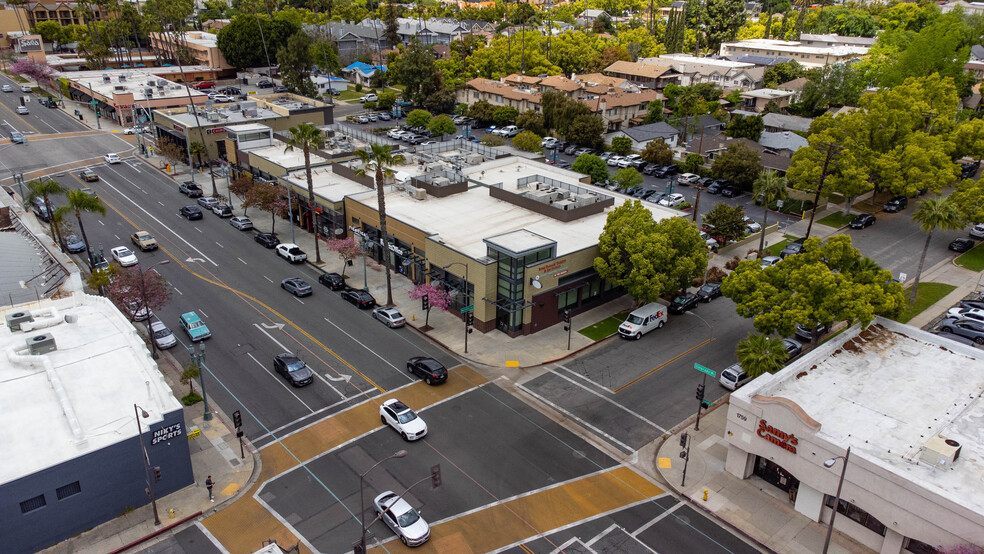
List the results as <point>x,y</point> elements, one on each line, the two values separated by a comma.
<point>528,141</point>
<point>732,263</point>
<point>489,139</point>
<point>621,145</point>
<point>358,87</point>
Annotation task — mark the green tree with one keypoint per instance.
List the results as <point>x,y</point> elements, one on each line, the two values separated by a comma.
<point>391,33</point>
<point>295,65</point>
<point>481,111</point>
<point>968,137</point>
<point>592,165</point>
<point>528,141</point>
<point>969,199</point>
<point>80,202</point>
<point>242,46</point>
<point>307,137</point>
<point>771,187</point>
<point>419,118</point>
<point>725,223</point>
<point>760,354</point>
<point>654,112</point>
<point>826,283</point>
<point>531,121</point>
<point>693,163</point>
<point>586,130</point>
<point>442,125</point>
<point>932,214</point>
<point>782,72</point>
<point>722,20</point>
<point>386,100</point>
<point>628,177</point>
<point>657,152</point>
<point>415,70</point>
<point>749,127</point>
<point>738,164</point>
<point>621,145</point>
<point>198,150</point>
<point>505,115</point>
<point>649,258</point>
<point>379,161</point>
<point>45,189</point>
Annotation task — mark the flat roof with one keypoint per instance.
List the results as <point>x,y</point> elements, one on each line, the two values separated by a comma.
<point>686,58</point>
<point>135,81</point>
<point>328,184</point>
<point>796,46</point>
<point>886,390</point>
<point>278,153</point>
<point>519,242</point>
<point>79,398</point>
<point>226,115</point>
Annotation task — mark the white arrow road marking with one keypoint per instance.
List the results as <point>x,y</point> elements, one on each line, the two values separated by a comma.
<point>285,349</point>
<point>189,260</point>
<point>343,377</point>
<point>273,326</point>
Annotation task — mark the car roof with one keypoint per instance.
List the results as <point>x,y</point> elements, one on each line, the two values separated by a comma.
<point>190,316</point>
<point>396,405</point>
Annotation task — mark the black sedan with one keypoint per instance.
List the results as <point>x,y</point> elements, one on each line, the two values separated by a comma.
<point>430,370</point>
<point>684,302</point>
<point>190,212</point>
<point>730,191</point>
<point>268,240</point>
<point>293,369</point>
<point>360,298</point>
<point>709,292</point>
<point>961,245</point>
<point>333,281</point>
<point>792,347</point>
<point>862,220</point>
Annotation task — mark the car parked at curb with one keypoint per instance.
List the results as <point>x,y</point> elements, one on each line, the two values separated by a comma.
<point>708,292</point>
<point>769,261</point>
<point>793,348</point>
<point>806,334</point>
<point>966,313</point>
<point>207,202</point>
<point>967,328</point>
<point>222,210</point>
<point>359,298</point>
<point>333,281</point>
<point>794,247</point>
<point>961,244</point>
<point>190,189</point>
<point>124,256</point>
<point>291,252</point>
<point>402,419</point>
<point>267,240</point>
<point>74,244</point>
<point>291,367</point>
<point>977,231</point>
<point>896,204</point>
<point>430,370</point>
<point>391,317</point>
<point>861,221</point>
<point>683,302</point>
<point>194,326</point>
<point>163,336</point>
<point>241,222</point>
<point>401,518</point>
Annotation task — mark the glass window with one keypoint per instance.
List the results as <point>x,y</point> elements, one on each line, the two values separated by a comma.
<point>920,547</point>
<point>567,299</point>
<point>857,514</point>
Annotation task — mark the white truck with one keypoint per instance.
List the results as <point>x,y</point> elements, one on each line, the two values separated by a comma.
<point>643,320</point>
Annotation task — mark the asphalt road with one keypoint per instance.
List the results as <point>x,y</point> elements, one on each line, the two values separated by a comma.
<point>40,120</point>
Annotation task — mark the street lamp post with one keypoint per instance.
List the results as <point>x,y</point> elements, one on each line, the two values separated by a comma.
<point>829,464</point>
<point>362,499</point>
<point>143,297</point>
<point>467,299</point>
<point>143,452</point>
<point>198,358</point>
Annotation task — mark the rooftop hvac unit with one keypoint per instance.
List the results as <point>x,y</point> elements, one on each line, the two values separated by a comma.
<point>120,88</point>
<point>41,344</point>
<point>441,181</point>
<point>152,82</point>
<point>474,159</point>
<point>419,194</point>
<point>122,78</point>
<point>565,205</point>
<point>148,92</point>
<point>213,116</point>
<point>15,319</point>
<point>106,78</point>
<point>940,451</point>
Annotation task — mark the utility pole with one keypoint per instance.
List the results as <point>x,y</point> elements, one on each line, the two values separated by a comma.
<point>831,150</point>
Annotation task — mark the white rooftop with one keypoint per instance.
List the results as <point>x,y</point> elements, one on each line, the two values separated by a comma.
<point>291,159</point>
<point>884,392</point>
<point>135,81</point>
<point>78,398</point>
<point>225,113</point>
<point>794,46</point>
<point>766,93</point>
<point>328,184</point>
<point>207,40</point>
<point>686,58</point>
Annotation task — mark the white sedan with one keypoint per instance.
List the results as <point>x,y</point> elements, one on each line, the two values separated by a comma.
<point>129,131</point>
<point>391,317</point>
<point>112,158</point>
<point>402,419</point>
<point>966,313</point>
<point>672,200</point>
<point>124,256</point>
<point>402,518</point>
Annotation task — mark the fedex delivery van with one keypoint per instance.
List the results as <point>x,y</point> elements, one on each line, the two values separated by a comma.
<point>643,320</point>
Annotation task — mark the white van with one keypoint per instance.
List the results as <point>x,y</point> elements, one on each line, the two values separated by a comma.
<point>643,320</point>
<point>733,377</point>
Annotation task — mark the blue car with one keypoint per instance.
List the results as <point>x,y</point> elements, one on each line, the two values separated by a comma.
<point>74,244</point>
<point>194,326</point>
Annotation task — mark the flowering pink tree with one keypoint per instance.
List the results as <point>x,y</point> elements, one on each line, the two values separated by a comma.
<point>437,297</point>
<point>347,249</point>
<point>36,71</point>
<point>126,289</point>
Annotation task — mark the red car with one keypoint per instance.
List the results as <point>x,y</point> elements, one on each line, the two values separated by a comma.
<point>202,85</point>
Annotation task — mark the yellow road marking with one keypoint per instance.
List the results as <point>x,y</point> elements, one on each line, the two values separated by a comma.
<point>661,366</point>
<point>17,115</point>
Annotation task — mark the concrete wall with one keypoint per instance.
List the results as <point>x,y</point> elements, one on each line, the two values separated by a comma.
<point>111,480</point>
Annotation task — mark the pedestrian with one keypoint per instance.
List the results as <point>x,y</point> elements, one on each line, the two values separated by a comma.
<point>208,485</point>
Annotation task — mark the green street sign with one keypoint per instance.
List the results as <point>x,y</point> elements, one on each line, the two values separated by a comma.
<point>706,370</point>
<point>468,308</point>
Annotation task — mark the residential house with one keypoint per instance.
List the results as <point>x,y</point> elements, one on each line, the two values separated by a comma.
<point>784,143</point>
<point>756,100</point>
<point>795,86</point>
<point>323,83</point>
<point>588,17</point>
<point>969,8</point>
<point>642,135</point>
<point>353,40</point>
<point>710,146</point>
<point>975,64</point>
<point>818,55</point>
<point>63,13</point>
<point>726,74</point>
<point>776,123</point>
<point>623,108</point>
<point>498,93</point>
<point>647,75</point>
<point>362,73</point>
<point>665,11</point>
<point>439,30</point>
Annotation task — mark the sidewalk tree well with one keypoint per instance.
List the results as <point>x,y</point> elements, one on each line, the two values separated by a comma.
<point>171,152</point>
<point>826,283</point>
<point>307,137</point>
<point>347,248</point>
<point>419,118</point>
<point>437,297</point>
<point>262,196</point>
<point>198,150</point>
<point>725,222</point>
<point>442,125</point>
<point>126,290</point>
<point>592,165</point>
<point>759,354</point>
<point>378,161</point>
<point>528,141</point>
<point>646,257</point>
<point>738,164</point>
<point>934,213</point>
<point>657,152</point>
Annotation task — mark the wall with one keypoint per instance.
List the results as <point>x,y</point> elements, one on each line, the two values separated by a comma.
<point>112,481</point>
<point>12,20</point>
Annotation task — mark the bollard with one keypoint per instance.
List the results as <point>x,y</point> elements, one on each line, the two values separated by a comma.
<point>413,317</point>
<point>170,513</point>
<point>705,495</point>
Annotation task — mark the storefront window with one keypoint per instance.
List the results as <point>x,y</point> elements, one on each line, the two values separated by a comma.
<point>567,299</point>
<point>857,514</point>
<point>919,547</point>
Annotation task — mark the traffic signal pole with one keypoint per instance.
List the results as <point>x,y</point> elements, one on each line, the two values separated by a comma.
<point>700,399</point>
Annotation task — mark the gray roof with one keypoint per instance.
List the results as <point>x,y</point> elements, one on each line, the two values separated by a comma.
<point>786,122</point>
<point>783,141</point>
<point>977,51</point>
<point>705,121</point>
<point>646,133</point>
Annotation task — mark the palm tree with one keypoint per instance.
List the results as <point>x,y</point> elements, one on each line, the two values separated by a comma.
<point>79,202</point>
<point>759,354</point>
<point>934,213</point>
<point>44,188</point>
<point>306,136</point>
<point>378,161</point>
<point>771,186</point>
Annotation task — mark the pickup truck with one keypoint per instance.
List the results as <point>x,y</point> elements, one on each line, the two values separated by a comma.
<point>191,189</point>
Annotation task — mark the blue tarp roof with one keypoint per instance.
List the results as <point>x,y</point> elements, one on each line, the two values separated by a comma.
<point>364,67</point>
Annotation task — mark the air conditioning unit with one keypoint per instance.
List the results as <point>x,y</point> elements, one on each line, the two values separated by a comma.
<point>122,78</point>
<point>940,451</point>
<point>15,319</point>
<point>106,79</point>
<point>41,344</point>
<point>149,93</point>
<point>420,194</point>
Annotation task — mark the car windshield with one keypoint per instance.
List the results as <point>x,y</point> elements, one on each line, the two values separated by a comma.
<point>161,333</point>
<point>680,300</point>
<point>295,365</point>
<point>407,518</point>
<point>196,324</point>
<point>144,236</point>
<point>634,319</point>
<point>707,288</point>
<point>407,416</point>
<point>123,252</point>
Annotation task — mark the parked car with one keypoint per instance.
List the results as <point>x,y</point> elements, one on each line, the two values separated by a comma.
<point>613,161</point>
<point>977,231</point>
<point>265,83</point>
<point>291,367</point>
<point>967,171</point>
<point>672,200</point>
<point>430,370</point>
<point>896,204</point>
<point>279,89</point>
<point>74,244</point>
<point>207,202</point>
<point>190,189</point>
<point>961,245</point>
<point>296,286</point>
<point>709,241</point>
<point>402,419</point>
<point>361,119</point>
<point>399,516</point>
<point>163,337</point>
<point>792,347</point>
<point>688,178</point>
<point>291,252</point>
<point>683,302</point>
<point>241,222</point>
<point>333,281</point>
<point>268,240</point>
<point>88,175</point>
<point>649,169</point>
<point>769,261</point>
<point>112,158</point>
<point>715,187</point>
<point>966,313</point>
<point>194,326</point>
<point>709,291</point>
<point>752,226</point>
<point>190,212</point>
<point>967,328</point>
<point>359,298</point>
<point>628,160</point>
<point>730,191</point>
<point>391,317</point>
<point>806,334</point>
<point>144,241</point>
<point>371,97</point>
<point>384,116</point>
<point>222,210</point>
<point>733,377</point>
<point>794,247</point>
<point>862,220</point>
<point>202,85</point>
<point>8,88</point>
<point>124,256</point>
<point>223,99</point>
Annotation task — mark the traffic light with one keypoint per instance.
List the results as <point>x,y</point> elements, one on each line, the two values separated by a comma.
<point>470,319</point>
<point>683,440</point>
<point>435,476</point>
<point>567,316</point>
<point>425,302</point>
<point>237,419</point>
<point>700,392</point>
<point>157,474</point>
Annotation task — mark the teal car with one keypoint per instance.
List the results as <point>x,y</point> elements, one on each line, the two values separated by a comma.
<point>194,326</point>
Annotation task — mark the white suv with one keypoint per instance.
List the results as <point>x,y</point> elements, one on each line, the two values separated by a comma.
<point>402,419</point>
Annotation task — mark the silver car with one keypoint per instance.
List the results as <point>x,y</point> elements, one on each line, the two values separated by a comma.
<point>402,518</point>
<point>242,223</point>
<point>391,317</point>
<point>163,336</point>
<point>296,286</point>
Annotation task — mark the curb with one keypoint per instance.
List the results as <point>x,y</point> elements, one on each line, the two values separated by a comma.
<point>156,533</point>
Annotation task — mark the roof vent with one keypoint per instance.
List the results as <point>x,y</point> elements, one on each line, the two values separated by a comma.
<point>41,344</point>
<point>940,452</point>
<point>15,319</point>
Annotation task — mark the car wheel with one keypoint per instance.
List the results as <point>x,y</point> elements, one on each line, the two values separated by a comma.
<point>659,325</point>
<point>637,336</point>
<point>404,539</point>
<point>429,382</point>
<point>405,437</point>
<point>409,369</point>
<point>946,330</point>
<point>979,340</point>
<point>282,286</point>
<point>383,419</point>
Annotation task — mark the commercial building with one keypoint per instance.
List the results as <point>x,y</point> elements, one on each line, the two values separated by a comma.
<point>819,52</point>
<point>202,47</point>
<point>13,23</point>
<point>892,410</point>
<point>75,381</point>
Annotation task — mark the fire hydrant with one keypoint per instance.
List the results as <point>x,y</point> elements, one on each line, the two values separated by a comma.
<point>170,513</point>
<point>705,495</point>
